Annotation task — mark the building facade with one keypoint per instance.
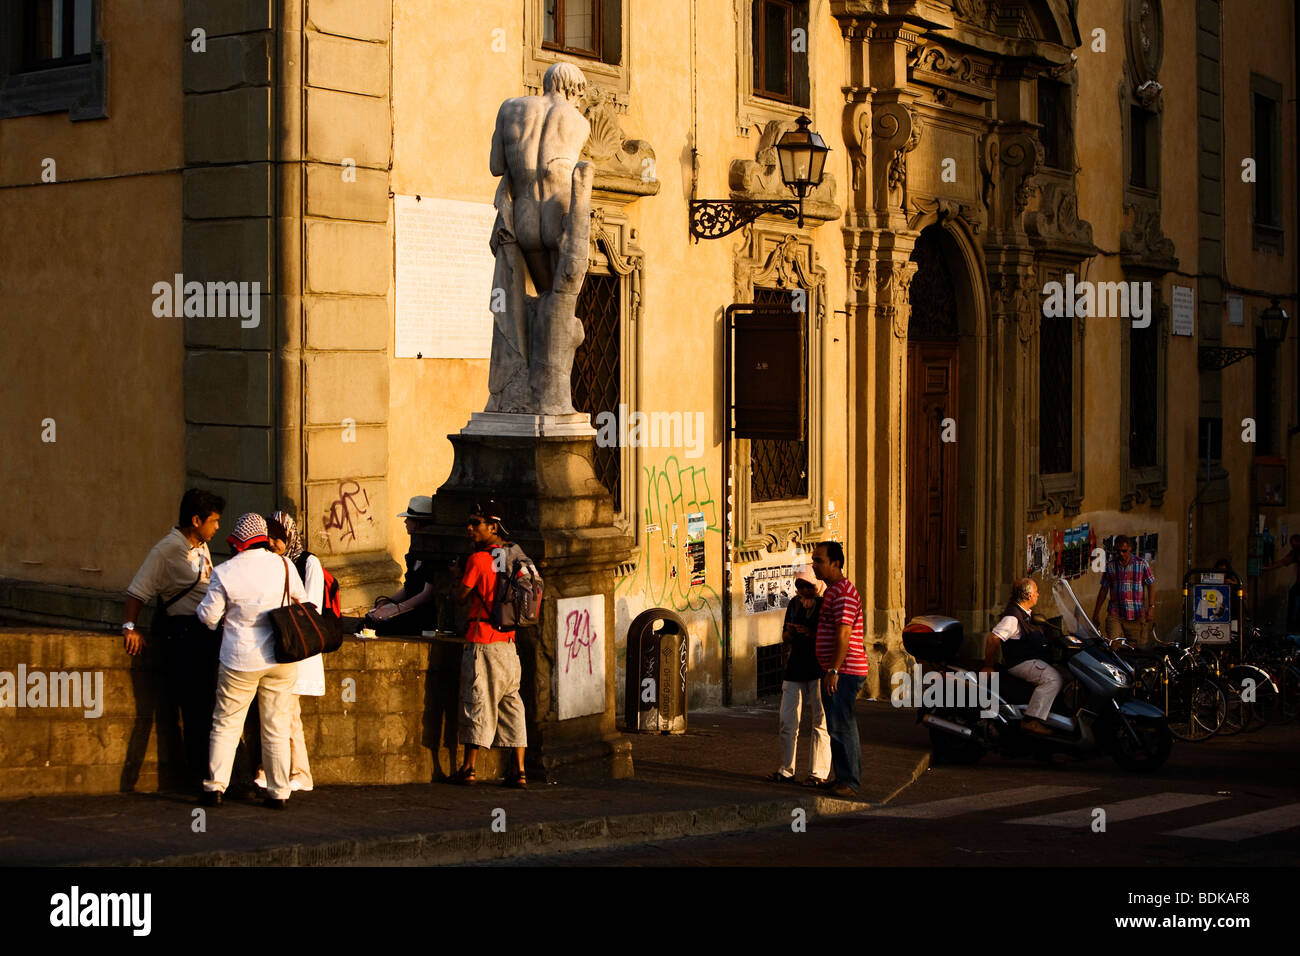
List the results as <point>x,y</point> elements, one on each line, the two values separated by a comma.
<point>962,394</point>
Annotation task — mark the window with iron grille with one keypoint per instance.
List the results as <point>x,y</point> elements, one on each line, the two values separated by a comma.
<point>778,467</point>
<point>1143,396</point>
<point>780,64</point>
<point>1056,396</point>
<point>771,666</point>
<point>597,368</point>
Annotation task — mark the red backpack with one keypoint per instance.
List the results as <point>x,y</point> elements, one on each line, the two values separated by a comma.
<point>332,603</point>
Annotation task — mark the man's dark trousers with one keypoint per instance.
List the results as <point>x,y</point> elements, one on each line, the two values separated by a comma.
<point>190,653</point>
<point>846,747</point>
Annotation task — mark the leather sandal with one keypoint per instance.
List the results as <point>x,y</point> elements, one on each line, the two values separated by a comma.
<point>519,781</point>
<point>463,777</point>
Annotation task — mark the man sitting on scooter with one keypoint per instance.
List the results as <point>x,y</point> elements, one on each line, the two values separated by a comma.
<point>1024,654</point>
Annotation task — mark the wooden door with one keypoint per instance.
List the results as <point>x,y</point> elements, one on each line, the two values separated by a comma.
<point>931,476</point>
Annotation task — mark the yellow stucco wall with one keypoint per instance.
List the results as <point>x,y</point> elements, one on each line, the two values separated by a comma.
<point>78,258</point>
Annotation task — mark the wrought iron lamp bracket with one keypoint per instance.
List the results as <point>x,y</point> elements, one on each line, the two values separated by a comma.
<point>715,218</point>
<point>1215,358</point>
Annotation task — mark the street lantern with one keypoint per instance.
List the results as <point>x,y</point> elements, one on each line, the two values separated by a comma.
<point>801,156</point>
<point>1273,321</point>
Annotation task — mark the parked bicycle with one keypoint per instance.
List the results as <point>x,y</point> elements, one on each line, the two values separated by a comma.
<point>1179,681</point>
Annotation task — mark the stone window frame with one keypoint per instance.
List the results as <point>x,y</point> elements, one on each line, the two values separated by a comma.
<point>80,90</point>
<point>1148,484</point>
<point>753,110</point>
<point>1053,493</point>
<point>1266,235</point>
<point>1141,67</point>
<point>614,77</point>
<point>614,252</point>
<point>772,257</point>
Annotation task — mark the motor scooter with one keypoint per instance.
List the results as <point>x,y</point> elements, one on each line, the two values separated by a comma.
<point>1095,711</point>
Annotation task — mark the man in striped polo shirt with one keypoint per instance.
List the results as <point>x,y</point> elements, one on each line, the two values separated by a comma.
<point>840,653</point>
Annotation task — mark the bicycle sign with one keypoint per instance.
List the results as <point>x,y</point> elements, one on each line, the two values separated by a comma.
<point>1211,613</point>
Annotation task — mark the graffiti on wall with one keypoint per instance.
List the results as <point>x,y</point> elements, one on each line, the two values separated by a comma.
<point>349,508</point>
<point>664,562</point>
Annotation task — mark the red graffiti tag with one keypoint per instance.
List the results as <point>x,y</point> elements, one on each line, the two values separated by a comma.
<point>578,634</point>
<point>345,507</point>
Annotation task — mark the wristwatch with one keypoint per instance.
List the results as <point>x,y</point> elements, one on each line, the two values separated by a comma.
<point>832,670</point>
<point>129,626</point>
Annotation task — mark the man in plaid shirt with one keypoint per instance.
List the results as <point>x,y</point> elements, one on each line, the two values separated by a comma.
<point>1129,582</point>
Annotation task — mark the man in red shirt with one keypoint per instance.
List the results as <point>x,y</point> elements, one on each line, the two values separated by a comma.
<point>841,654</point>
<point>491,710</point>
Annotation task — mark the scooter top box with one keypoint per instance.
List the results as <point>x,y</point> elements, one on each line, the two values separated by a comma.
<point>932,637</point>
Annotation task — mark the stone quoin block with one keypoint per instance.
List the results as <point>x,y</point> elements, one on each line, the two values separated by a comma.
<point>227,63</point>
<point>347,322</point>
<point>224,17</point>
<point>353,66</point>
<point>348,257</point>
<point>343,385</point>
<point>235,251</point>
<point>228,388</point>
<point>230,453</point>
<point>359,19</point>
<point>329,456</point>
<point>347,125</point>
<point>330,196</point>
<point>224,192</point>
<point>230,127</point>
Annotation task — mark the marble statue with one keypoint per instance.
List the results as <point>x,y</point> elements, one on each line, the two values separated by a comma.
<point>540,240</point>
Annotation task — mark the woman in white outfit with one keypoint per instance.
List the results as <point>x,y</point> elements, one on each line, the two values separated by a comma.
<point>286,539</point>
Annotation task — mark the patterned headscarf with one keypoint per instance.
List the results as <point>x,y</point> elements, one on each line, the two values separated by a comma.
<point>250,529</point>
<point>293,539</point>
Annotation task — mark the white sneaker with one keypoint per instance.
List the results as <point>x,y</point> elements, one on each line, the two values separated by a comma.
<point>296,783</point>
<point>260,779</point>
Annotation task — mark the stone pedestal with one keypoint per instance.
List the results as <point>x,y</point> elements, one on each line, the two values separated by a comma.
<point>556,509</point>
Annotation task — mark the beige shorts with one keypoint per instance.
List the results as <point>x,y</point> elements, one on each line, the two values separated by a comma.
<point>491,710</point>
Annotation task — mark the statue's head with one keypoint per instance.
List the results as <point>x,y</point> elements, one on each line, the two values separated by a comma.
<point>565,79</point>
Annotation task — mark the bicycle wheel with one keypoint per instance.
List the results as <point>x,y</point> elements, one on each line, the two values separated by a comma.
<point>1197,707</point>
<point>1259,692</point>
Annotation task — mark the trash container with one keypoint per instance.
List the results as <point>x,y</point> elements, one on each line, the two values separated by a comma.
<point>657,645</point>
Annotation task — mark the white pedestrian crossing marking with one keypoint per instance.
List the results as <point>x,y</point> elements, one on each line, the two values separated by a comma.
<point>1245,827</point>
<point>1124,810</point>
<point>956,806</point>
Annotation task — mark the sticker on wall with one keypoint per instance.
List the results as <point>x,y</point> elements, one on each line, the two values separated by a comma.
<point>1036,553</point>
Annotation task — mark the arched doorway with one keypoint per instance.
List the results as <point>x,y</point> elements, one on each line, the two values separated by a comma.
<point>933,395</point>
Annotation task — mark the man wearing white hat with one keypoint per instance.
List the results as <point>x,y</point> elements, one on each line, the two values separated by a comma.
<point>412,609</point>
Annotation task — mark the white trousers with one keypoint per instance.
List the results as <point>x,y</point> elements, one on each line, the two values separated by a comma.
<point>1047,680</point>
<point>299,766</point>
<point>805,697</point>
<point>273,688</point>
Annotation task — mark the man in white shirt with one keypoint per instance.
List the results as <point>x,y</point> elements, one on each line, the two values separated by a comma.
<point>1024,654</point>
<point>176,572</point>
<point>242,591</point>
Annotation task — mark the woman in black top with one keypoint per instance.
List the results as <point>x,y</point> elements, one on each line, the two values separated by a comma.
<point>801,689</point>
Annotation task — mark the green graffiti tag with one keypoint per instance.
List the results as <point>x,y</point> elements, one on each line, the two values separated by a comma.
<point>663,571</point>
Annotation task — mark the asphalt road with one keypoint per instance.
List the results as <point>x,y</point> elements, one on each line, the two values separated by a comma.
<point>1231,801</point>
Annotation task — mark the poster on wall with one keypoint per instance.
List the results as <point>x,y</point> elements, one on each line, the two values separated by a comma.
<point>770,589</point>
<point>695,527</point>
<point>1036,553</point>
<point>580,656</point>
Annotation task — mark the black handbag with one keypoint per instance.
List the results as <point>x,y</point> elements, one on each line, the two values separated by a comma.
<point>300,630</point>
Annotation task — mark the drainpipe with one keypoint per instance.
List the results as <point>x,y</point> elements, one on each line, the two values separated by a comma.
<point>288,224</point>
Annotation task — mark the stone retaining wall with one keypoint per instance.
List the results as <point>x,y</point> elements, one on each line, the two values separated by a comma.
<point>403,718</point>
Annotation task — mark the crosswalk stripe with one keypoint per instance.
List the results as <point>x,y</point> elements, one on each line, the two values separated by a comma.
<point>1124,810</point>
<point>1244,827</point>
<point>956,806</point>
